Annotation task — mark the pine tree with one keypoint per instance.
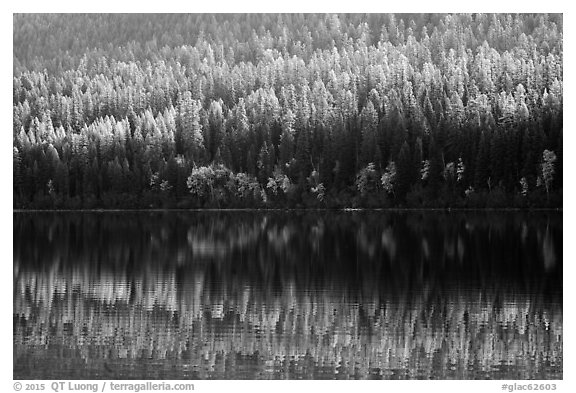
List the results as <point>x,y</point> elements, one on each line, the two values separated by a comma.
<point>369,127</point>
<point>191,130</point>
<point>303,164</point>
<point>483,173</point>
<point>405,171</point>
<point>436,167</point>
<point>287,139</point>
<point>17,174</point>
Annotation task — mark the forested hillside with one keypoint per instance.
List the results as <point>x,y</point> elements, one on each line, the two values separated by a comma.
<point>275,110</point>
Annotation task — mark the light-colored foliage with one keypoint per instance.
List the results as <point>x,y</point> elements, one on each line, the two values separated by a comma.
<point>524,186</point>
<point>425,170</point>
<point>460,170</point>
<point>365,177</point>
<point>388,179</point>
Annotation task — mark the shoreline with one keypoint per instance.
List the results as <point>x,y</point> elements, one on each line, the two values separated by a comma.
<point>395,209</point>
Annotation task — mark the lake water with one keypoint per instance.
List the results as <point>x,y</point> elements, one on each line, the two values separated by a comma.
<point>288,295</point>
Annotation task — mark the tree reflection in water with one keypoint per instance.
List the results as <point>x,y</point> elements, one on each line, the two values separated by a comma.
<point>399,295</point>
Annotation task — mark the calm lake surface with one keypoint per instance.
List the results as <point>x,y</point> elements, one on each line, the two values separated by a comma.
<point>288,295</point>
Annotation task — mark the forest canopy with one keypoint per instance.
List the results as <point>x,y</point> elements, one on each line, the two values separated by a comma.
<point>287,110</point>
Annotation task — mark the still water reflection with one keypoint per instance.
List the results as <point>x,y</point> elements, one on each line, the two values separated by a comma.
<point>349,295</point>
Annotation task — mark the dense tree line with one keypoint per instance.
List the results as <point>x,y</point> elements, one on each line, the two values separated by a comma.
<point>287,110</point>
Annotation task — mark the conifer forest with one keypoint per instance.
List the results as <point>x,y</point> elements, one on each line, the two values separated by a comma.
<point>287,110</point>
